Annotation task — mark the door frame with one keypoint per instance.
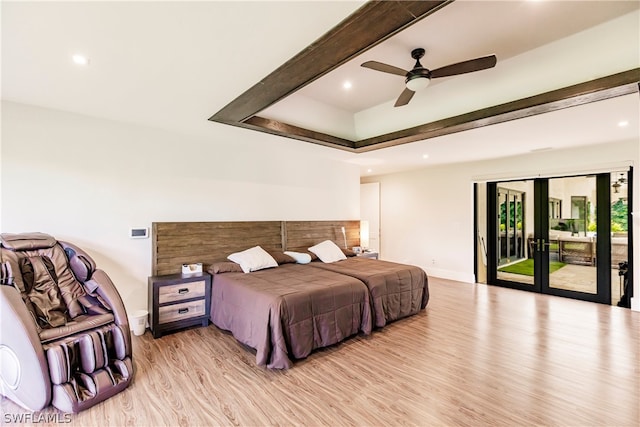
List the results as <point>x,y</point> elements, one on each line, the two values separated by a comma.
<point>630,230</point>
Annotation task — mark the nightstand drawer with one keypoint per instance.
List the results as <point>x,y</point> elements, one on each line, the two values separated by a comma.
<point>185,310</point>
<point>181,291</point>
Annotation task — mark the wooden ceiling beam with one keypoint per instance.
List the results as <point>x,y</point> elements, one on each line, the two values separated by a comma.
<point>371,24</point>
<point>289,131</point>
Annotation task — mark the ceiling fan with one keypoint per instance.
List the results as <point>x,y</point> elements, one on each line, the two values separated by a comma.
<point>619,182</point>
<point>420,77</point>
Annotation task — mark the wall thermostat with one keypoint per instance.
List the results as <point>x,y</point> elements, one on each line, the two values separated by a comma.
<point>138,233</point>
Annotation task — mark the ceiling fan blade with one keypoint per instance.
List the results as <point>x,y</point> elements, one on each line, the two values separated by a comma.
<point>404,97</point>
<point>385,68</point>
<point>465,67</point>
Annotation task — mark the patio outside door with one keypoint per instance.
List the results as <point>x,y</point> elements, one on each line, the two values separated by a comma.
<point>552,235</point>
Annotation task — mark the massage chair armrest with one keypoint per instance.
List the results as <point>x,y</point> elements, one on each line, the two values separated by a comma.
<point>80,262</point>
<point>24,372</point>
<point>101,284</point>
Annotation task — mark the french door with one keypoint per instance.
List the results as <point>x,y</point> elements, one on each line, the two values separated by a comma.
<point>553,236</point>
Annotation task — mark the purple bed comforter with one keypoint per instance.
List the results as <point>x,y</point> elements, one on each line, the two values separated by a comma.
<point>287,312</point>
<point>396,290</point>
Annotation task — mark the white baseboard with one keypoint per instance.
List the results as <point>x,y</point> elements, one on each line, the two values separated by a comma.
<point>635,303</point>
<point>450,275</point>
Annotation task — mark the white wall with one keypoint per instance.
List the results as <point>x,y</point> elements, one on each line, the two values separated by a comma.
<point>370,211</point>
<point>89,180</point>
<point>427,215</point>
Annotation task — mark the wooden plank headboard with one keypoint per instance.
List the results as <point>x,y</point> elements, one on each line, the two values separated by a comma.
<point>177,243</point>
<point>303,234</point>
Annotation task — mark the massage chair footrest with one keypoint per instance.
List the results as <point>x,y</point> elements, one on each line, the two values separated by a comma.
<point>88,368</point>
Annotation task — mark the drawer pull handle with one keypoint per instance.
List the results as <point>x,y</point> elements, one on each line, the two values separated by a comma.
<point>183,291</point>
<point>183,310</point>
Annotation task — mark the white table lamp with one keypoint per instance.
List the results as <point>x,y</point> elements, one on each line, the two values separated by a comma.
<point>364,234</point>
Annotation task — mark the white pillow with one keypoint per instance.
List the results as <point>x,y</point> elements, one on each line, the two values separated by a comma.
<point>300,257</point>
<point>253,259</point>
<point>328,251</point>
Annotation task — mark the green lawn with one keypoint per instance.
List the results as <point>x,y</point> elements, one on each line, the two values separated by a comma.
<point>525,267</point>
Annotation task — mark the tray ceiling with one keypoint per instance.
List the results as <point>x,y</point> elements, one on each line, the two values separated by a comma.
<point>551,55</point>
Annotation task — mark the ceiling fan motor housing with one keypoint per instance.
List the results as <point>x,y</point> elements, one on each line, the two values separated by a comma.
<point>419,77</point>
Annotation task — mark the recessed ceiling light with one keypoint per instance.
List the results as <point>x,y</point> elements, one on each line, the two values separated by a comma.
<point>623,123</point>
<point>80,59</point>
<point>347,85</point>
<point>369,170</point>
<point>425,156</point>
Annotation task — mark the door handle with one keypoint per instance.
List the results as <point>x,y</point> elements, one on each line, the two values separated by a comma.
<point>541,245</point>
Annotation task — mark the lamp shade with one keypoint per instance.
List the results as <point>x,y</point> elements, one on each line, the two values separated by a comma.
<point>364,234</point>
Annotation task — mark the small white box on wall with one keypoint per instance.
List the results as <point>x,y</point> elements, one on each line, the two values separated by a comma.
<point>139,233</point>
<point>192,268</point>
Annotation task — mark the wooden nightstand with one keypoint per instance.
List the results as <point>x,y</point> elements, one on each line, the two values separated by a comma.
<point>369,254</point>
<point>177,302</point>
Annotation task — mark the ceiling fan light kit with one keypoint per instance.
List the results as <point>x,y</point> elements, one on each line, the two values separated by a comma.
<point>419,77</point>
<point>416,83</point>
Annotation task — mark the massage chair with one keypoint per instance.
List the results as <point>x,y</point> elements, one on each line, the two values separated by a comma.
<point>64,332</point>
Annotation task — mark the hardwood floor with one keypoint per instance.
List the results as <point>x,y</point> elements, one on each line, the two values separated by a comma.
<point>479,355</point>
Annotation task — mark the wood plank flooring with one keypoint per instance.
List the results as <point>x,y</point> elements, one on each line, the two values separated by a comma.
<point>479,355</point>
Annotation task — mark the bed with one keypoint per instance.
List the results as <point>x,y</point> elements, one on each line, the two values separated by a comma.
<point>396,290</point>
<point>286,312</point>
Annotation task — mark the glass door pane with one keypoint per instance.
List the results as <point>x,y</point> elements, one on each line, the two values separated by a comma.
<point>515,232</point>
<point>572,236</point>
